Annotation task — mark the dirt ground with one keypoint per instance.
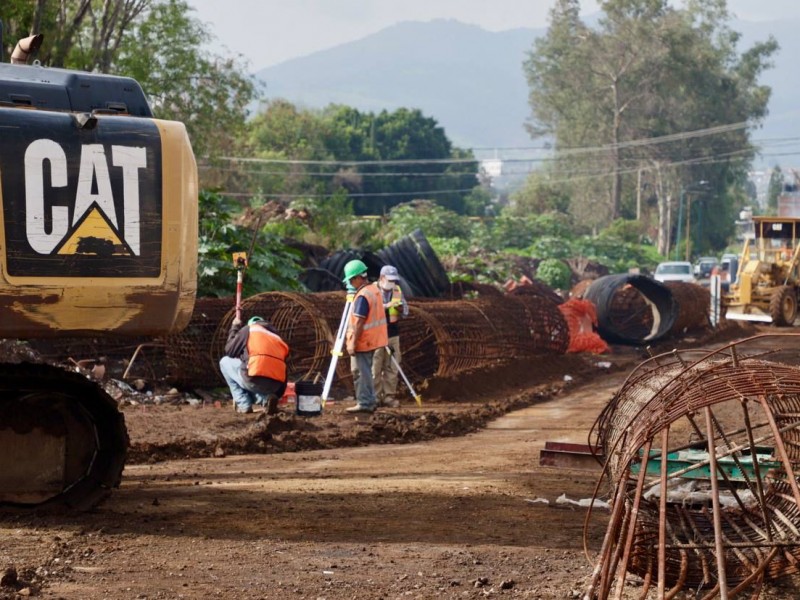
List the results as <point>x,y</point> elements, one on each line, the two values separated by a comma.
<point>446,500</point>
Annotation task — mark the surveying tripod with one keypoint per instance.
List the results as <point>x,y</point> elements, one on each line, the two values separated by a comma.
<point>338,344</point>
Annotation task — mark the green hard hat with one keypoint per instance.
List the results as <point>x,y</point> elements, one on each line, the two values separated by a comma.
<point>254,320</point>
<point>353,268</point>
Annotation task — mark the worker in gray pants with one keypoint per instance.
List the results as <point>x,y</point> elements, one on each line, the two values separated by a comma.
<point>384,369</point>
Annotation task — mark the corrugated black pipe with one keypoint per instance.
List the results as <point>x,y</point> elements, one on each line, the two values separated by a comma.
<point>625,326</point>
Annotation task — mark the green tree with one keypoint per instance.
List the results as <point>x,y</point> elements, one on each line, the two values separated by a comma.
<point>774,190</point>
<point>82,34</point>
<point>158,43</point>
<point>647,71</point>
<point>286,137</point>
<point>163,50</point>
<point>538,195</point>
<point>381,160</point>
<point>425,165</point>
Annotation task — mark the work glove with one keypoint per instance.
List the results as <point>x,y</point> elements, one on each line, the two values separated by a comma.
<point>236,322</point>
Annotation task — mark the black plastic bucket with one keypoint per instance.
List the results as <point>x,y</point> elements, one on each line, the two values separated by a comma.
<point>309,398</point>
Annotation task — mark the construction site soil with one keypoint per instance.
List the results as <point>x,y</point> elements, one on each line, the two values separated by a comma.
<point>443,500</point>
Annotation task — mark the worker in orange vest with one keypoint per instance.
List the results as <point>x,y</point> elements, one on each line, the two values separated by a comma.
<point>254,365</point>
<point>366,333</point>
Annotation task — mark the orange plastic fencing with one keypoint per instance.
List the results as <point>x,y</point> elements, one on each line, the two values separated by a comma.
<point>581,316</point>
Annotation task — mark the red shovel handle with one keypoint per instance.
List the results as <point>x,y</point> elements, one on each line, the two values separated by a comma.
<point>239,279</point>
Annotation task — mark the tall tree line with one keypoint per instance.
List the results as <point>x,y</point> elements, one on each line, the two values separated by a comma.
<point>648,71</point>
<point>378,159</point>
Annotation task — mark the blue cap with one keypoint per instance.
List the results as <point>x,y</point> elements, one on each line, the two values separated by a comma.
<point>390,273</point>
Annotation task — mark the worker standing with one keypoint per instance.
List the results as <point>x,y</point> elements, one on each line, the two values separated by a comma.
<point>366,333</point>
<point>254,365</point>
<point>384,369</point>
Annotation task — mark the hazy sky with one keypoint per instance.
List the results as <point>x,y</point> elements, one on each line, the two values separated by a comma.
<point>267,32</point>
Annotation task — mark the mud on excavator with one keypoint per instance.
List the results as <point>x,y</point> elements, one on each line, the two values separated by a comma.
<point>766,286</point>
<point>98,236</point>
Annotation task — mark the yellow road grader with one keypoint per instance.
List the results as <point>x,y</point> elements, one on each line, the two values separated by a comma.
<point>765,287</point>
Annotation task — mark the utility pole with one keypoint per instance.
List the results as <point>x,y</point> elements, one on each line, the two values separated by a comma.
<point>687,191</point>
<point>639,196</point>
<point>688,225</point>
<point>669,225</point>
<point>678,224</point>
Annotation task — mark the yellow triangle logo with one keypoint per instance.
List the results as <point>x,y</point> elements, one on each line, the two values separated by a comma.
<point>94,235</point>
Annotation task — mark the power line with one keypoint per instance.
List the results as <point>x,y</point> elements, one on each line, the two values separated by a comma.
<point>559,153</point>
<point>349,195</point>
<point>340,173</point>
<point>286,161</point>
<point>755,146</point>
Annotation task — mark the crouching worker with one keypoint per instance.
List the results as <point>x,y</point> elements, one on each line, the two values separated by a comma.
<point>254,365</point>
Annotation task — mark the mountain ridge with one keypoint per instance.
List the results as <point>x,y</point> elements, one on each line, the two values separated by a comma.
<point>471,80</point>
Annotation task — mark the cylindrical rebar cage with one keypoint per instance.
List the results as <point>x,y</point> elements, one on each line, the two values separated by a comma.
<point>702,454</point>
<point>438,338</point>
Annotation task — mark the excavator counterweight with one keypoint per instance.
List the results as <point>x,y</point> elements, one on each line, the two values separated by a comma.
<point>98,236</point>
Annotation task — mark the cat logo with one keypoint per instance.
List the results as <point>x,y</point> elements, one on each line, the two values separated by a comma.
<point>95,227</point>
<point>85,205</point>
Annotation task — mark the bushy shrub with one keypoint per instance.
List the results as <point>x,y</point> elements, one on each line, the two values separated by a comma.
<point>617,255</point>
<point>555,273</point>
<point>272,266</point>
<point>550,247</point>
<point>332,223</point>
<point>432,219</point>
<point>624,230</point>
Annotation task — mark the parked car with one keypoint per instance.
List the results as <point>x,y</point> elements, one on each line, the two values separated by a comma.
<point>674,271</point>
<point>704,266</point>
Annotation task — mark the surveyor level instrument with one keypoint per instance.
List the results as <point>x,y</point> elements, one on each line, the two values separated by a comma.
<point>416,396</point>
<point>338,344</point>
<point>239,263</point>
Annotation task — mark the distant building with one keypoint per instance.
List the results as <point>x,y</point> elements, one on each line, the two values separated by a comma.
<point>493,167</point>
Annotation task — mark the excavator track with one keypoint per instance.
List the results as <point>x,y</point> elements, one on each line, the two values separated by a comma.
<point>63,441</point>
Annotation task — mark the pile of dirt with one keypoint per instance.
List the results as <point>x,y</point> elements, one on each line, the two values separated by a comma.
<point>169,423</point>
<point>450,407</point>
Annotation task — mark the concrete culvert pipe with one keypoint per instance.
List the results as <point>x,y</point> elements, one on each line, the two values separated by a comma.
<point>632,309</point>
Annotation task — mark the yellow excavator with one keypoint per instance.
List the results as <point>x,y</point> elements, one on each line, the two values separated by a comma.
<point>98,236</point>
<point>765,288</point>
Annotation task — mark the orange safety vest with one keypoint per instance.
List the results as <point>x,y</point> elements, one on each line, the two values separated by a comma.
<point>266,354</point>
<point>374,334</point>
